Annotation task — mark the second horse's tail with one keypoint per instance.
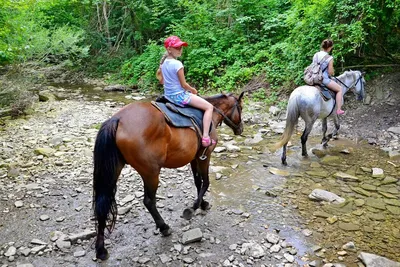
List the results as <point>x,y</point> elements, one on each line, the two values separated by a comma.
<point>292,117</point>
<point>108,163</point>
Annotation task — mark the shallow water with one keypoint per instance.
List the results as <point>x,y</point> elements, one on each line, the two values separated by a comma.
<point>369,217</point>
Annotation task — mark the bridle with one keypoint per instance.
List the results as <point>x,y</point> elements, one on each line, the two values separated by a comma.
<point>354,85</point>
<point>226,119</point>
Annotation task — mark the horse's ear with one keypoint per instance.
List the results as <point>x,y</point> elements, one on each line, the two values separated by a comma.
<point>241,95</point>
<point>363,73</point>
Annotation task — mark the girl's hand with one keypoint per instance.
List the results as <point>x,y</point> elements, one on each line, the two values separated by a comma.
<point>194,91</point>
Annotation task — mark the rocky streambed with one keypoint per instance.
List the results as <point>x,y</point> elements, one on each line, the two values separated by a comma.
<point>339,207</point>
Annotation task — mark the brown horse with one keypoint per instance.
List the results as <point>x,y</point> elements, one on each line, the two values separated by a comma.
<point>139,135</point>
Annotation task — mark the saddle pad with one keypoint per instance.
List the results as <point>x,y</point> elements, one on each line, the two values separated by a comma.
<point>325,93</point>
<point>181,117</point>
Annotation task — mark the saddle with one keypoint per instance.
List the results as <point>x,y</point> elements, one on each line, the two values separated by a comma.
<point>325,93</point>
<point>180,117</point>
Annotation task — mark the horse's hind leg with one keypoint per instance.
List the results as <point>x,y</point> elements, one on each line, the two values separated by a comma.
<point>304,137</point>
<point>283,157</point>
<point>149,200</point>
<point>202,182</point>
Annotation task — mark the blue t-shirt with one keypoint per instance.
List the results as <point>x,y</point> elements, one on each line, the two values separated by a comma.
<point>169,70</point>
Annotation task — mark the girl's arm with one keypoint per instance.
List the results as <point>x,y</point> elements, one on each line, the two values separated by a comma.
<point>331,70</point>
<point>159,76</point>
<point>184,84</point>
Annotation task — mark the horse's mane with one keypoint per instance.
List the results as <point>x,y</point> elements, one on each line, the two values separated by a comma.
<point>348,73</point>
<point>216,98</point>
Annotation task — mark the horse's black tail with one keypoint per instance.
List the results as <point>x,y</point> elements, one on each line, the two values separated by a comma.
<point>292,117</point>
<point>108,163</point>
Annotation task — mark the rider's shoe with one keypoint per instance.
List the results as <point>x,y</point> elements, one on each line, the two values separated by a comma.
<point>339,112</point>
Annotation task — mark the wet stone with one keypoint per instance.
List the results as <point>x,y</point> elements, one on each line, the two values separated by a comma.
<point>349,226</point>
<point>389,180</point>
<point>393,202</point>
<point>332,220</point>
<point>359,202</point>
<point>394,210</point>
<point>328,159</point>
<point>376,216</point>
<point>322,214</point>
<point>272,238</point>
<point>387,195</point>
<point>368,187</point>
<point>375,203</point>
<point>361,191</point>
<point>345,176</point>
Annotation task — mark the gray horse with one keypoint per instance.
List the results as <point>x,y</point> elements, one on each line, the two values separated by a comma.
<point>306,102</point>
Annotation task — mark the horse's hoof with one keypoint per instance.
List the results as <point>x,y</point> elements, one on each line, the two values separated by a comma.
<point>205,205</point>
<point>102,254</point>
<point>188,213</point>
<point>166,232</point>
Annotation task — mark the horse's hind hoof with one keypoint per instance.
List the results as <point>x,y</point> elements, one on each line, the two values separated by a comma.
<point>102,254</point>
<point>166,232</point>
<point>205,205</point>
<point>188,213</point>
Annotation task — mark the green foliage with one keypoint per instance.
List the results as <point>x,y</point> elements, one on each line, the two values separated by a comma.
<point>230,42</point>
<point>141,70</point>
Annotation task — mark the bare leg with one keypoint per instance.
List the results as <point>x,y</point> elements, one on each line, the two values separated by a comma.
<point>339,96</point>
<point>198,102</point>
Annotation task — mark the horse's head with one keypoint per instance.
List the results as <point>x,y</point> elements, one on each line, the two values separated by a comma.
<point>359,85</point>
<point>230,108</point>
<point>353,79</point>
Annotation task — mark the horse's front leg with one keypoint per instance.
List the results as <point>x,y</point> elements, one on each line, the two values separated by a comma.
<point>337,127</point>
<point>150,189</point>
<point>325,140</point>
<point>202,182</point>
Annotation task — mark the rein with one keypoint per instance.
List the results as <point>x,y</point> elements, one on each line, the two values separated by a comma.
<point>226,118</point>
<point>354,85</point>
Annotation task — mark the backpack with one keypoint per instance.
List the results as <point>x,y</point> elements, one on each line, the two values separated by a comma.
<point>313,73</point>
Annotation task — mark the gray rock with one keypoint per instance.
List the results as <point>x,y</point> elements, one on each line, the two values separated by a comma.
<point>323,195</point>
<point>37,249</point>
<point>11,251</point>
<point>85,235</point>
<point>272,238</point>
<point>372,260</point>
<point>192,236</point>
<point>79,253</point>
